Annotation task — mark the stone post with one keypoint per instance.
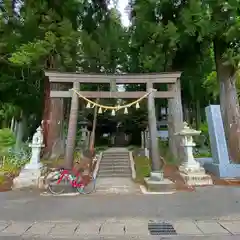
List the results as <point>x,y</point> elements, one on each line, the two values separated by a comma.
<point>142,140</point>
<point>31,173</point>
<point>190,169</point>
<point>146,146</point>
<point>153,146</point>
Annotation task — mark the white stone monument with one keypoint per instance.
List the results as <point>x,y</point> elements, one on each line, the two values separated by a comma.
<point>30,174</point>
<point>220,164</point>
<point>190,169</point>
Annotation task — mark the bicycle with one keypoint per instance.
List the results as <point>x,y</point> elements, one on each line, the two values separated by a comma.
<point>63,177</point>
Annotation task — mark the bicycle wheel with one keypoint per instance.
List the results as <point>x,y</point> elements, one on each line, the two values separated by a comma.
<point>88,188</point>
<point>54,186</point>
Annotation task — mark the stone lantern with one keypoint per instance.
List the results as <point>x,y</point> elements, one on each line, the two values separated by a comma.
<point>190,169</point>
<point>31,173</point>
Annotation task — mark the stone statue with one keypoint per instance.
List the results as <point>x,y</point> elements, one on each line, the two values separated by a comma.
<point>38,137</point>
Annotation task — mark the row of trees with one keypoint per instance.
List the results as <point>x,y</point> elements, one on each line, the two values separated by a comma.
<point>199,38</point>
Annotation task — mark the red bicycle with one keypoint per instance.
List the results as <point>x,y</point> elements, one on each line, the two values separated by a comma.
<point>57,183</point>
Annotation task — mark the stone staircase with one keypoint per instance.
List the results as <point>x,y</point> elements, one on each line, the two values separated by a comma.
<point>115,164</point>
<point>114,174</point>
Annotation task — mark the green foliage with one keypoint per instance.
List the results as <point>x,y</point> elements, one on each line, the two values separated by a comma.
<point>203,155</point>
<point>87,36</point>
<point>13,161</point>
<point>7,140</point>
<point>8,110</point>
<point>204,132</point>
<point>142,167</point>
<point>8,168</point>
<point>2,179</point>
<point>166,154</point>
<point>212,86</point>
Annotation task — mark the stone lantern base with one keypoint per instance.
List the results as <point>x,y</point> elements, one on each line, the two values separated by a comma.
<point>27,178</point>
<point>195,177</point>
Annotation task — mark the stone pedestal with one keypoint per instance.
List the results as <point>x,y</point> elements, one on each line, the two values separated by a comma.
<point>190,170</point>
<point>156,183</point>
<point>31,173</point>
<point>195,177</point>
<point>27,178</point>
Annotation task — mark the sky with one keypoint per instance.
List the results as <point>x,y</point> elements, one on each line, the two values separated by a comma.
<point>121,5</point>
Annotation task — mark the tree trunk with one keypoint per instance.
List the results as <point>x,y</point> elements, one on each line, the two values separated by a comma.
<point>46,112</point>
<point>175,120</point>
<point>198,114</point>
<point>55,122</point>
<point>186,113</point>
<point>21,126</point>
<point>229,102</point>
<point>93,133</point>
<point>72,128</point>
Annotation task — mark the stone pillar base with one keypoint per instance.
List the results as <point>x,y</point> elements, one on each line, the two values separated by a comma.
<point>27,178</point>
<point>156,183</point>
<point>195,177</point>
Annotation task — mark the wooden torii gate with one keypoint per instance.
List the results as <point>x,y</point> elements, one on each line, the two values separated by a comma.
<point>173,94</point>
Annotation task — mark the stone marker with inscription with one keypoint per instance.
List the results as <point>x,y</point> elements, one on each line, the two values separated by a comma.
<point>220,165</point>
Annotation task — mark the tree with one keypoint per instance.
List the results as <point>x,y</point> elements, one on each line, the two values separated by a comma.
<point>219,22</point>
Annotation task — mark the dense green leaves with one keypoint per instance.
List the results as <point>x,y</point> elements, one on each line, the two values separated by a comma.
<point>193,36</point>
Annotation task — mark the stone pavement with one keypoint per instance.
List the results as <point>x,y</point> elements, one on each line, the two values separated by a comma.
<point>209,213</point>
<point>117,185</point>
<point>118,229</point>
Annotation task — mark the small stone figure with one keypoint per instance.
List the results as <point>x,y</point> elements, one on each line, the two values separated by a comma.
<point>38,137</point>
<point>36,145</point>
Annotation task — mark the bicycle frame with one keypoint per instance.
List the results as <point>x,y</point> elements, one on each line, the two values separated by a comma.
<point>71,178</point>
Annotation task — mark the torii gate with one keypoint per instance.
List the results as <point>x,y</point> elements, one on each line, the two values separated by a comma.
<point>173,94</point>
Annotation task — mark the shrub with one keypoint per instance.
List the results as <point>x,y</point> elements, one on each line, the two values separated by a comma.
<point>13,161</point>
<point>7,140</point>
<point>143,168</point>
<point>204,132</point>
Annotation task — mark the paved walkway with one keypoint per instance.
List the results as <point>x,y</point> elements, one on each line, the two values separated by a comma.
<point>116,185</point>
<point>209,213</point>
<point>116,228</point>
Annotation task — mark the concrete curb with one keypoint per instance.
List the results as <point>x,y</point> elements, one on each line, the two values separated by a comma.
<point>46,194</point>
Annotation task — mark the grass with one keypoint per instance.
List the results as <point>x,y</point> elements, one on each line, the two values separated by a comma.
<point>54,163</point>
<point>101,148</point>
<point>143,164</point>
<point>2,179</point>
<point>132,147</point>
<point>203,155</point>
<point>166,154</point>
<point>10,169</point>
<point>142,167</point>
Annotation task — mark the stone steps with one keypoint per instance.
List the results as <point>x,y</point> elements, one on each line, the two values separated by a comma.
<point>111,156</point>
<point>111,172</point>
<point>114,167</point>
<point>114,174</point>
<point>125,163</point>
<point>118,175</point>
<point>115,159</point>
<point>115,164</point>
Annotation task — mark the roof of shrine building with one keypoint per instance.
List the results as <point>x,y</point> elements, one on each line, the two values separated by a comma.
<point>165,77</point>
